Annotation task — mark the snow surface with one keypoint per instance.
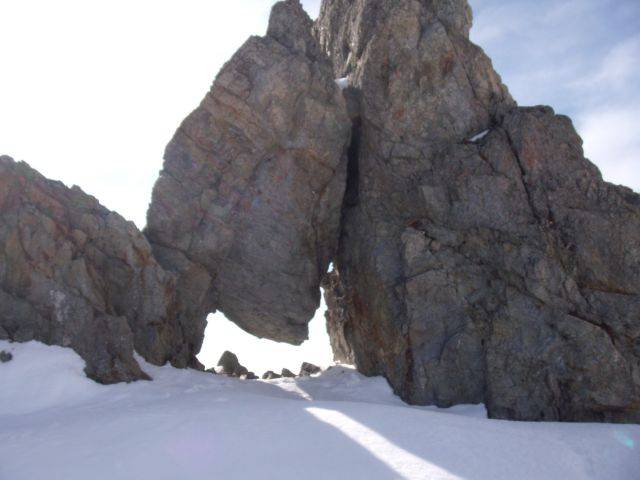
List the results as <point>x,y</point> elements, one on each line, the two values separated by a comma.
<point>342,82</point>
<point>57,424</point>
<point>479,136</point>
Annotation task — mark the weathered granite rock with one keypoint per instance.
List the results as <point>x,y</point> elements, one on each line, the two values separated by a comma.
<point>74,274</point>
<point>475,267</point>
<point>247,207</point>
<point>308,369</point>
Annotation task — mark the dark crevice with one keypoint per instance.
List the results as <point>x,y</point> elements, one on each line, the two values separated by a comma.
<point>353,166</point>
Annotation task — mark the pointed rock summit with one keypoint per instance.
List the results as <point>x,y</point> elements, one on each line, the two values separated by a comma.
<point>251,191</point>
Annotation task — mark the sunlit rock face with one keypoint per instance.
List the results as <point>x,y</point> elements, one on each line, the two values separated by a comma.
<point>75,274</point>
<point>250,196</point>
<point>482,258</point>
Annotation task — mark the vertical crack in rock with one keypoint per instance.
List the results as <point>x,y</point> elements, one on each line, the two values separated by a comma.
<point>353,168</point>
<point>252,187</point>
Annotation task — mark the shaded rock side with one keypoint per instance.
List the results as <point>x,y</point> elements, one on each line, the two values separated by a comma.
<point>75,274</point>
<point>250,195</point>
<point>501,270</point>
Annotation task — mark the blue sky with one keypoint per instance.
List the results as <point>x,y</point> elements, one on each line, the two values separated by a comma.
<point>582,57</point>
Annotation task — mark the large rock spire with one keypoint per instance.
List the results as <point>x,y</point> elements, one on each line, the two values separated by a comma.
<point>252,185</point>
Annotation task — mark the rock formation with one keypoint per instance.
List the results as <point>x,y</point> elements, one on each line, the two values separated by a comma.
<point>478,256</point>
<point>247,207</point>
<point>482,258</point>
<point>72,273</point>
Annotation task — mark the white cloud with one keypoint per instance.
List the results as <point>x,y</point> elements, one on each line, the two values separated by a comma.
<point>612,141</point>
<point>580,57</point>
<point>617,69</point>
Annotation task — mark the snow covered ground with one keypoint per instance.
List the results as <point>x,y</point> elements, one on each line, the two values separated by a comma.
<point>56,424</point>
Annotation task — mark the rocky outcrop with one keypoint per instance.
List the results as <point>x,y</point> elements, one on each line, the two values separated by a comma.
<point>72,273</point>
<point>247,207</point>
<point>270,375</point>
<point>286,373</point>
<point>482,258</point>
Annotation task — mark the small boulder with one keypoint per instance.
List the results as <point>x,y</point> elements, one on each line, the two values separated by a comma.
<point>5,357</point>
<point>287,373</point>
<point>250,376</point>
<point>270,375</point>
<point>230,365</point>
<point>308,369</point>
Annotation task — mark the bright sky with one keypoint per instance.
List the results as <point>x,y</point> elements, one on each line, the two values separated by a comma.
<point>91,92</point>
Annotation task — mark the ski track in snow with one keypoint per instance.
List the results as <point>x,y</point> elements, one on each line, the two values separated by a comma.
<point>57,424</point>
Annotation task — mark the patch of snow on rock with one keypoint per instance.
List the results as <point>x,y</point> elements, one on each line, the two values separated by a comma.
<point>342,82</point>
<point>479,136</point>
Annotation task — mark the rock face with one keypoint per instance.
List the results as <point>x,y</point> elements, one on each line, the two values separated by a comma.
<point>482,258</point>
<point>72,273</point>
<point>247,207</point>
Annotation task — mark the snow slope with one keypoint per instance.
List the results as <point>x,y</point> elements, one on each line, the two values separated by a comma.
<point>56,424</point>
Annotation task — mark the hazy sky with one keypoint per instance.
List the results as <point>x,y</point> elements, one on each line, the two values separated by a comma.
<point>91,92</point>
